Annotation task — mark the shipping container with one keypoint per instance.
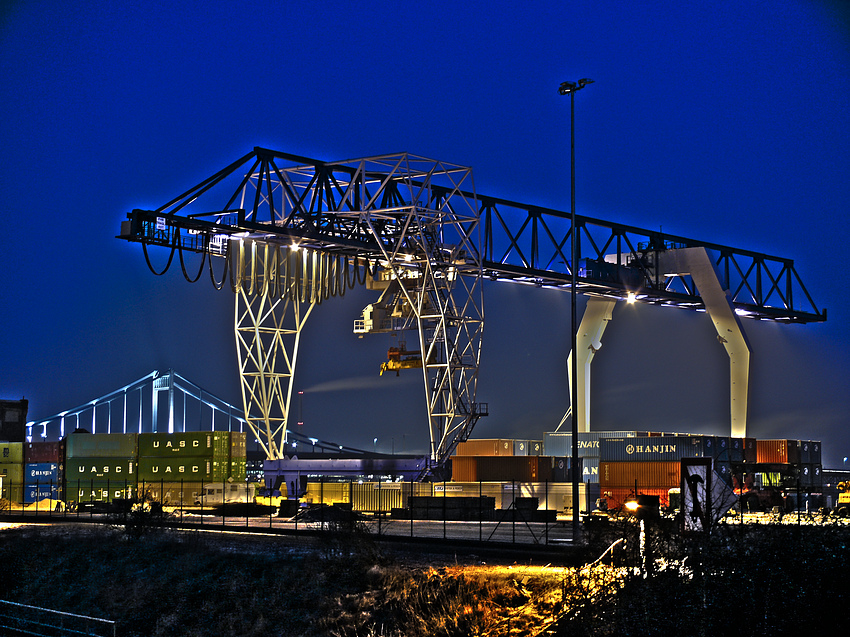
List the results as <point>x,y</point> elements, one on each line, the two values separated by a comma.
<point>736,449</point>
<point>810,452</point>
<point>198,444</point>
<point>535,448</point>
<point>177,494</point>
<point>750,450</point>
<point>238,444</point>
<point>560,443</point>
<point>80,491</point>
<point>101,469</point>
<point>85,445</point>
<point>652,475</point>
<point>37,493</point>
<point>781,451</point>
<point>723,470</point>
<point>649,449</point>
<point>238,469</point>
<point>11,453</point>
<point>521,448</point>
<point>563,471</point>
<point>12,474</point>
<point>501,469</point>
<point>41,452</point>
<point>618,496</point>
<point>41,473</point>
<point>485,447</point>
<point>175,469</point>
<point>715,447</point>
<point>13,492</point>
<point>590,470</point>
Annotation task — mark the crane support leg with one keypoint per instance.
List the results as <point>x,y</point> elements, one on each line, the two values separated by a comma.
<point>696,262</point>
<point>597,315</point>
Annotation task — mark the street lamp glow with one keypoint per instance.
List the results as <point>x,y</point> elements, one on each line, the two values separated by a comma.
<point>630,297</point>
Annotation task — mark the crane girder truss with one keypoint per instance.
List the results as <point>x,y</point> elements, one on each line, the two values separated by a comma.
<point>531,244</point>
<point>294,231</point>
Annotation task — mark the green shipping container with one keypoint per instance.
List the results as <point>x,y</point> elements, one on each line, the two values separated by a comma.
<point>238,445</point>
<point>101,445</point>
<point>98,491</point>
<point>197,444</point>
<point>102,469</point>
<point>176,469</point>
<point>13,474</point>
<point>11,452</point>
<point>238,469</point>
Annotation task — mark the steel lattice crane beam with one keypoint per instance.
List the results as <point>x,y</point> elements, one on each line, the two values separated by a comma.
<point>287,231</point>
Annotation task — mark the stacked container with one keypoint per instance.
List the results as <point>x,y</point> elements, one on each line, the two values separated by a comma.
<point>648,465</point>
<point>559,444</point>
<point>99,467</point>
<point>485,447</point>
<point>11,469</point>
<point>42,479</point>
<point>502,468</point>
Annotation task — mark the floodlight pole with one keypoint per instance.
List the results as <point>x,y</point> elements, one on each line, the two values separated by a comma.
<point>570,88</point>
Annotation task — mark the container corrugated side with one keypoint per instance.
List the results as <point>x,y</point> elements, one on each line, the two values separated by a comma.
<point>750,450</point>
<point>736,449</point>
<point>83,445</point>
<point>590,470</point>
<point>464,469</point>
<point>649,449</point>
<point>41,472</point>
<point>535,448</point>
<point>563,470</point>
<point>194,444</point>
<point>11,452</point>
<point>102,469</point>
<point>12,473</point>
<point>501,468</point>
<point>561,444</point>
<point>238,444</point>
<point>772,451</point>
<point>521,448</point>
<point>485,447</point>
<point>175,469</point>
<point>36,493</point>
<point>651,475</point>
<point>41,452</point>
<point>185,493</point>
<point>98,491</point>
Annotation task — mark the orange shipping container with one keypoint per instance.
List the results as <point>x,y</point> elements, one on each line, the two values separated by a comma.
<point>772,451</point>
<point>485,447</point>
<point>665,474</point>
<point>501,469</point>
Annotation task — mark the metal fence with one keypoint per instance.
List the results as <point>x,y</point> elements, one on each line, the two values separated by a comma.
<point>513,512</point>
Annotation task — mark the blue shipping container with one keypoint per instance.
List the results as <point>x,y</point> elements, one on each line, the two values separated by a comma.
<point>649,449</point>
<point>560,443</point>
<point>41,473</point>
<point>42,492</point>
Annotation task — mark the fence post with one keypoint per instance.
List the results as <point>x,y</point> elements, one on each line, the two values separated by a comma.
<point>480,511</point>
<point>444,509</point>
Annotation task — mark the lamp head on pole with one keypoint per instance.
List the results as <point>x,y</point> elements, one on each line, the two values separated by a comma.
<point>571,87</point>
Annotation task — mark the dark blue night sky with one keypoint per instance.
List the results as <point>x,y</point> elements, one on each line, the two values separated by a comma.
<point>722,121</point>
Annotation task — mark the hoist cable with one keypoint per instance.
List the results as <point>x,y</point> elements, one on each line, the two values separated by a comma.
<point>183,264</point>
<point>215,283</point>
<point>168,263</point>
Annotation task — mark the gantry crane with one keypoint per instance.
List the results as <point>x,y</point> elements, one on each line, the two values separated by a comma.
<point>289,232</point>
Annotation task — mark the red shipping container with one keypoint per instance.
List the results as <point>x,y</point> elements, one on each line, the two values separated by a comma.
<point>617,496</point>
<point>652,475</point>
<point>38,452</point>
